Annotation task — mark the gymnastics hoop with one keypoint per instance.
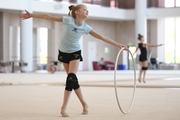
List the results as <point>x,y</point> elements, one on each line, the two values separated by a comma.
<point>115,85</point>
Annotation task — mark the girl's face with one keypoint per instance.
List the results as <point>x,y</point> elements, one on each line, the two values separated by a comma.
<point>83,12</point>
<point>142,39</point>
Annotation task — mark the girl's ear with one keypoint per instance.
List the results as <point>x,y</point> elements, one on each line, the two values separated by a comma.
<point>77,12</point>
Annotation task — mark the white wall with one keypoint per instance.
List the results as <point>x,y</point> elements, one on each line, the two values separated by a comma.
<point>156,36</point>
<point>152,36</point>
<point>6,32</point>
<point>102,19</point>
<point>125,34</point>
<point>105,28</point>
<point>9,19</point>
<point>95,11</point>
<point>122,32</point>
<point>14,5</point>
<point>158,13</point>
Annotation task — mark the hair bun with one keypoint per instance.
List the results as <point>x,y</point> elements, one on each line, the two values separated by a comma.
<point>140,36</point>
<point>71,7</point>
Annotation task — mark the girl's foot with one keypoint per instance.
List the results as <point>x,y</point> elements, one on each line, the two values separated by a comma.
<point>139,80</point>
<point>63,113</point>
<point>144,81</point>
<point>85,110</point>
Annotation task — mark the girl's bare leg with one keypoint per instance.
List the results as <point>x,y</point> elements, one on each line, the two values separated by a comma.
<point>144,75</point>
<point>66,95</point>
<point>145,64</point>
<point>73,67</point>
<point>65,102</point>
<point>140,72</point>
<point>84,104</point>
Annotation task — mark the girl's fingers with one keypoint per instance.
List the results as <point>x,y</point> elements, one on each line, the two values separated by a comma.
<point>24,15</point>
<point>26,11</point>
<point>21,15</point>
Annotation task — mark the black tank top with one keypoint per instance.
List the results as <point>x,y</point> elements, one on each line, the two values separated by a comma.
<point>142,49</point>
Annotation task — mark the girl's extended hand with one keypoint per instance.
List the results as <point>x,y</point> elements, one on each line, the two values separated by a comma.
<point>25,15</point>
<point>125,47</point>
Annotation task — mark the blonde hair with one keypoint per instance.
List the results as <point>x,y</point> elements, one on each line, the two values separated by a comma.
<point>73,8</point>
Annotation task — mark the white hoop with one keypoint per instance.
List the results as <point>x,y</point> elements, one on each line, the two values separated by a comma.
<point>132,100</point>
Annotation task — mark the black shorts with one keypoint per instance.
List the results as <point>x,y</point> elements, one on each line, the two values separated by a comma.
<point>142,58</point>
<point>67,57</point>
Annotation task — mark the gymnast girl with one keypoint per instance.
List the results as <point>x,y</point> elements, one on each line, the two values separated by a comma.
<point>70,50</point>
<point>143,56</point>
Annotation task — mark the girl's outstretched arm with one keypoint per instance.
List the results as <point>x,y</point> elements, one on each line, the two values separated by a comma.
<point>151,45</point>
<point>107,39</point>
<point>28,15</point>
<point>136,50</point>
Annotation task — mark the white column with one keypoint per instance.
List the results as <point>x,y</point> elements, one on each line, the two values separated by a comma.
<point>54,43</point>
<point>124,59</point>
<point>51,46</point>
<point>6,39</point>
<point>79,1</point>
<point>27,41</point>
<point>160,40</point>
<point>141,20</point>
<point>14,44</point>
<point>36,48</point>
<point>153,37</point>
<point>1,36</point>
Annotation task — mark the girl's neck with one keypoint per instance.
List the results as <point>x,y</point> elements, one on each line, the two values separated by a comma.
<point>78,21</point>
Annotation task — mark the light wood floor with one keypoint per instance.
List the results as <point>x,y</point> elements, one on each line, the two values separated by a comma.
<point>38,96</point>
